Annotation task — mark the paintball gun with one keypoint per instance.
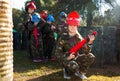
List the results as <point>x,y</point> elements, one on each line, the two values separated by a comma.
<point>79,45</point>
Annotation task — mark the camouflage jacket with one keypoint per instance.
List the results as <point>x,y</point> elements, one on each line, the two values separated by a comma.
<point>27,24</point>
<point>62,28</point>
<point>65,42</point>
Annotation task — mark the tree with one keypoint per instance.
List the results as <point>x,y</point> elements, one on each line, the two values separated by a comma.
<point>116,15</point>
<point>17,19</point>
<point>44,4</point>
<point>6,48</point>
<point>86,8</point>
<point>111,18</point>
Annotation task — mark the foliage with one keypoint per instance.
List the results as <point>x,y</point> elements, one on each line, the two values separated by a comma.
<point>111,18</point>
<point>17,19</point>
<point>44,4</point>
<point>116,15</point>
<point>89,10</point>
<point>86,8</point>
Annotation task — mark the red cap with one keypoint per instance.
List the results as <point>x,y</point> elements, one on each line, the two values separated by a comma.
<point>43,14</point>
<point>73,18</point>
<point>32,5</point>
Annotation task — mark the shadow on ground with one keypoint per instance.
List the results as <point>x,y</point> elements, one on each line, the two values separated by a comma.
<point>22,65</point>
<point>58,76</point>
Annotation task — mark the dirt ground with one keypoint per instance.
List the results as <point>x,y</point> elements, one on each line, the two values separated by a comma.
<point>26,70</point>
<point>107,73</point>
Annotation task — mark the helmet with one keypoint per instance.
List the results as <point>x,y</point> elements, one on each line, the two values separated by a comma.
<point>35,18</point>
<point>43,14</point>
<point>63,15</point>
<point>50,18</point>
<point>30,5</point>
<point>73,18</point>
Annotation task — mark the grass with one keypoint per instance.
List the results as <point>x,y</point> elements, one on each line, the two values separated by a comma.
<point>26,70</point>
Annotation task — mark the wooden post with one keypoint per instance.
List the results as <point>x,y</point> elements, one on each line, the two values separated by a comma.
<point>6,38</point>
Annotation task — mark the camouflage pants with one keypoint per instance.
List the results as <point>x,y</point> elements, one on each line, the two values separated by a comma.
<point>48,44</point>
<point>80,64</point>
<point>36,51</point>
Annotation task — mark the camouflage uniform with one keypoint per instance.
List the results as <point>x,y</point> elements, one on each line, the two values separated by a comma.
<point>48,40</point>
<point>83,59</point>
<point>33,50</point>
<point>36,51</point>
<point>26,22</point>
<point>62,28</point>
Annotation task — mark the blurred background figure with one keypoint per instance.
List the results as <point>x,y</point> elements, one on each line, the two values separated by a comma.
<point>48,37</point>
<point>31,20</point>
<point>62,27</point>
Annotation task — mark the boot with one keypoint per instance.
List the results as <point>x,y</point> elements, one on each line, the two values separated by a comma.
<point>82,76</point>
<point>65,74</point>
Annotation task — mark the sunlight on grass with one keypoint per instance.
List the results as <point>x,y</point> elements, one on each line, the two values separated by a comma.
<point>26,70</point>
<point>31,74</point>
<point>38,72</point>
<point>103,78</point>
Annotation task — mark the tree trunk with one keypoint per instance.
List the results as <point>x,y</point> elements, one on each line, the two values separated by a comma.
<point>6,45</point>
<point>89,19</point>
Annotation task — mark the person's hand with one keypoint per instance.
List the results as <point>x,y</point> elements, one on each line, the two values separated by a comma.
<point>91,39</point>
<point>35,24</point>
<point>52,27</point>
<point>71,56</point>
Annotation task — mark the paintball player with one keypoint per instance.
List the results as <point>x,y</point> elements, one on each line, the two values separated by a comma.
<point>44,14</point>
<point>62,27</point>
<point>29,8</point>
<point>31,21</point>
<point>78,62</point>
<point>48,38</point>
